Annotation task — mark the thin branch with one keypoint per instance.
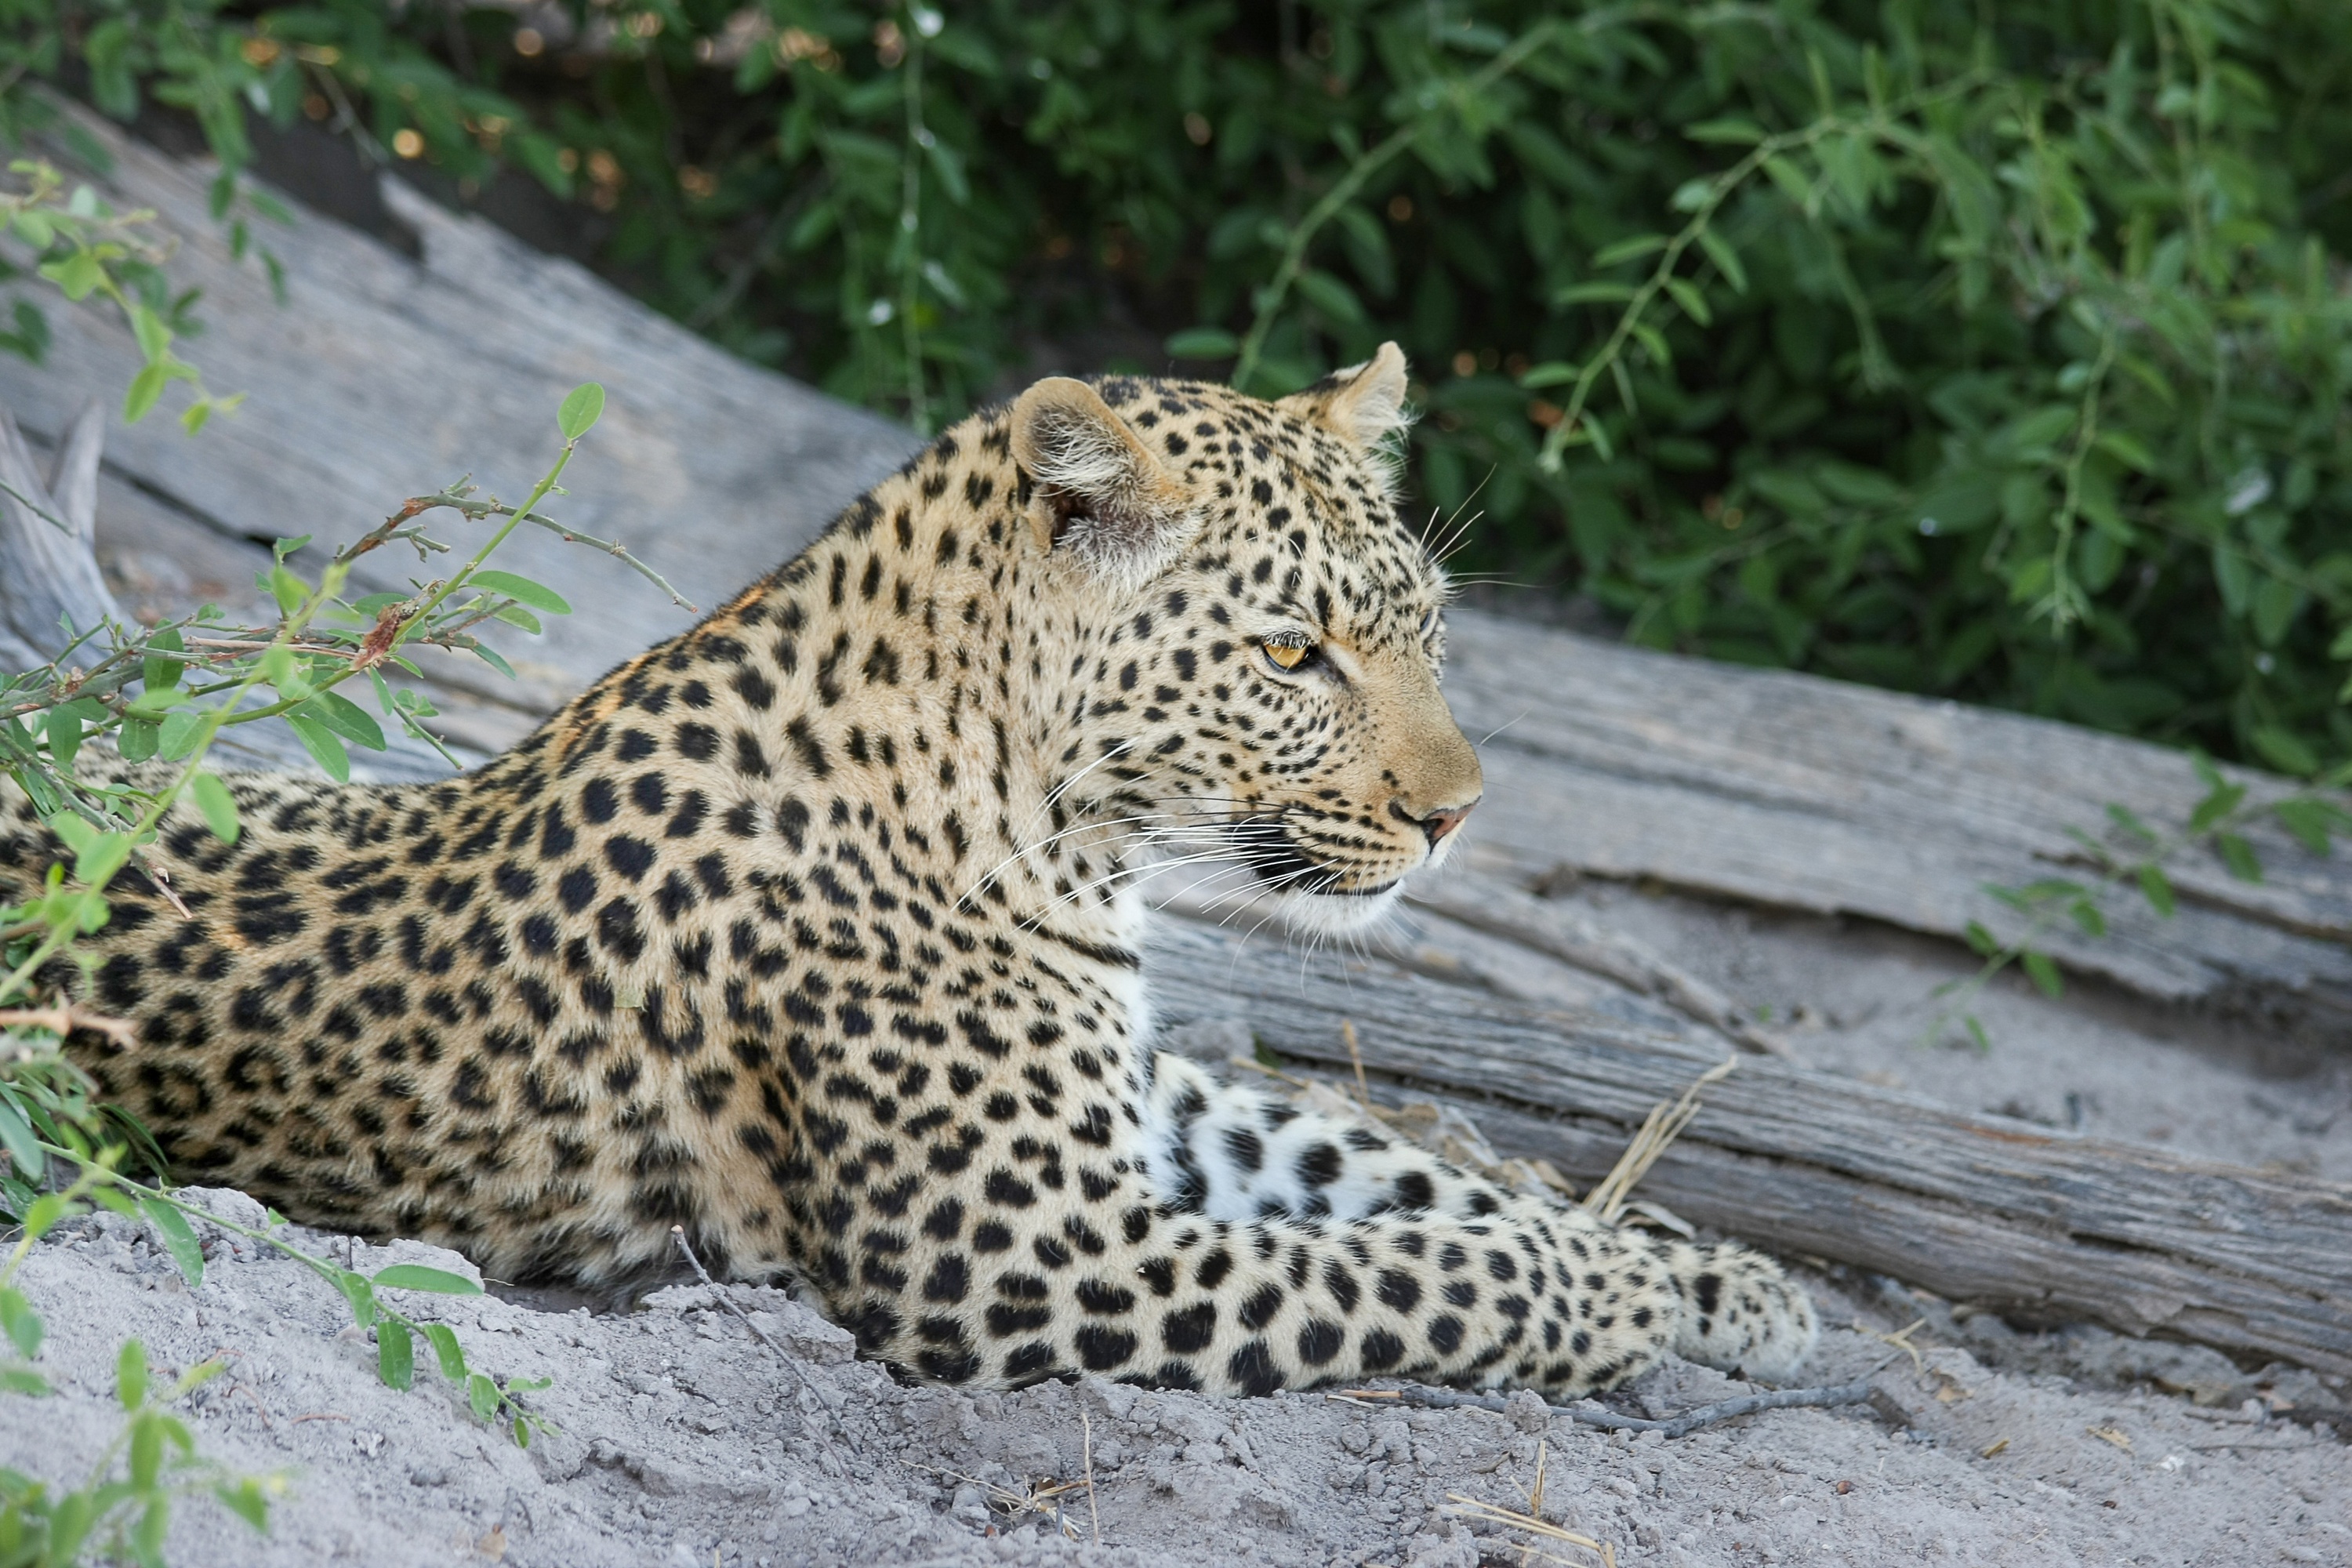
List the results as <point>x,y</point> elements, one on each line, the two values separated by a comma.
<point>1294,253</point>
<point>1680,1426</point>
<point>65,1019</point>
<point>686,1248</point>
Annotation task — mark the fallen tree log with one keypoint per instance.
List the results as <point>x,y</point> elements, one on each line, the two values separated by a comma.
<point>1814,795</point>
<point>1978,1208</point>
<point>381,377</point>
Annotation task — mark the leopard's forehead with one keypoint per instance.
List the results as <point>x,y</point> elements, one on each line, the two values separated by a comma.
<point>1290,503</point>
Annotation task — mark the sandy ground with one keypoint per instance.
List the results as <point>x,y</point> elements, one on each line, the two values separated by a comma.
<point>682,1440</point>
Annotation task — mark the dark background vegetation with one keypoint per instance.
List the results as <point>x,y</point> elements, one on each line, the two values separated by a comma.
<point>1990,349</point>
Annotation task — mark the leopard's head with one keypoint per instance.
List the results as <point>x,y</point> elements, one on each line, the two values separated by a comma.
<point>1258,674</point>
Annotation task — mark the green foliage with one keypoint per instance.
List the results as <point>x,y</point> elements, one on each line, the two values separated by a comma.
<point>1994,351</point>
<point>2129,854</point>
<point>166,692</point>
<point>123,1510</point>
<point>82,247</point>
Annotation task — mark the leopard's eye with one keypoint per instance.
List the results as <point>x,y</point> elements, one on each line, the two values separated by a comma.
<point>1286,654</point>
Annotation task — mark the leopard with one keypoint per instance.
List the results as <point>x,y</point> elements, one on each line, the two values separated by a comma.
<point>812,936</point>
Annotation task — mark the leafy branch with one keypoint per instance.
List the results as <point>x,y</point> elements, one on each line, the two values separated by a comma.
<point>85,247</point>
<point>1436,102</point>
<point>2135,855</point>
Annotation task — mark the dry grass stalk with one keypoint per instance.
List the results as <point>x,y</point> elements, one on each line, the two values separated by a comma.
<point>65,1018</point>
<point>1533,1522</point>
<point>1659,1129</point>
<point>1040,1498</point>
<point>1445,1130</point>
<point>1901,1339</point>
<point>1356,1057</point>
<point>1093,1512</point>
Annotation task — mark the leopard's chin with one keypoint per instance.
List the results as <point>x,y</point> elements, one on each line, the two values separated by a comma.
<point>1338,909</point>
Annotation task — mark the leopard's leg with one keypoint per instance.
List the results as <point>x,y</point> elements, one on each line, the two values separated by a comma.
<point>1016,1273</point>
<point>1234,1151</point>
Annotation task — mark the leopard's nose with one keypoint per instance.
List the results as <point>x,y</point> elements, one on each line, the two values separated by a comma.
<point>1436,824</point>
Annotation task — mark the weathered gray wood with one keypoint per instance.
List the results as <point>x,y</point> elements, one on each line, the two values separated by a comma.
<point>47,523</point>
<point>1816,794</point>
<point>1979,1207</point>
<point>382,377</point>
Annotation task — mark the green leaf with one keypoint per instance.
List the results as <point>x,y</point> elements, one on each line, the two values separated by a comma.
<point>538,595</point>
<point>146,389</point>
<point>131,1375</point>
<point>582,406</point>
<point>2311,822</point>
<point>360,1294</point>
<point>516,616</point>
<point>147,1536</point>
<point>175,737</point>
<point>25,1151</point>
<point>159,669</point>
<point>47,1210</point>
<point>217,806</point>
<point>20,1322</point>
<point>323,745</point>
<point>1551,372</point>
<point>1629,250</point>
<point>447,1350</point>
<point>345,718</point>
<point>138,739</point>
<point>2285,750</point>
<point>1693,303</point>
<point>146,1452</point>
<point>246,1500</point>
<point>395,1354</point>
<point>95,866</point>
<point>1731,131</point>
<point>69,1525</point>
<point>482,1394</point>
<point>1594,294</point>
<point>2239,856</point>
<point>76,275</point>
<point>2157,889</point>
<point>416,1277</point>
<point>2220,803</point>
<point>1727,260</point>
<point>2089,915</point>
<point>63,729</point>
<point>497,661</point>
<point>1203,343</point>
<point>179,1239</point>
<point>2127,450</point>
<point>1981,938</point>
<point>24,1381</point>
<point>2044,972</point>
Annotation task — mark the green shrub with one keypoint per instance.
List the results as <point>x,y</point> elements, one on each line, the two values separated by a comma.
<point>1995,351</point>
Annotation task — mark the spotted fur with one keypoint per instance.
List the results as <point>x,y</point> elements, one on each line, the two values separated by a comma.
<point>812,929</point>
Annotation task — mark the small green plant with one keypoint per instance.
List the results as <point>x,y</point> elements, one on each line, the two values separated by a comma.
<point>163,694</point>
<point>2131,856</point>
<point>84,247</point>
<point>125,1509</point>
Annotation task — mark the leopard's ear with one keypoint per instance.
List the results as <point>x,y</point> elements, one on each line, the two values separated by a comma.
<point>1097,493</point>
<point>1362,404</point>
